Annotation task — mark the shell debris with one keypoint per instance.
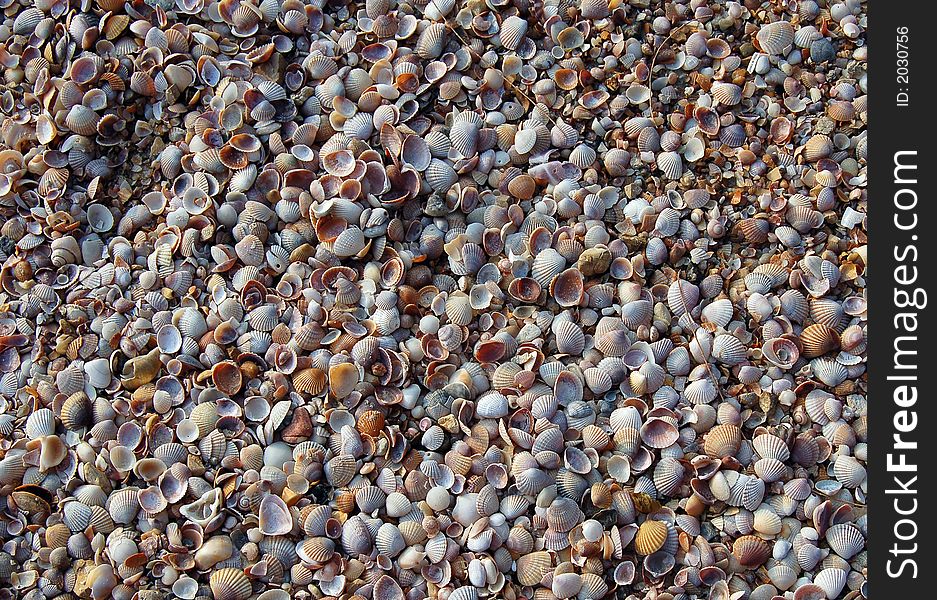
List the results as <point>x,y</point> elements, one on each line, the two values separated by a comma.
<point>405,299</point>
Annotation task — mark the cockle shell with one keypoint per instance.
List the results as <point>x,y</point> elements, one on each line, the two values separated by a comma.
<point>776,38</point>
<point>437,299</point>
<point>650,537</point>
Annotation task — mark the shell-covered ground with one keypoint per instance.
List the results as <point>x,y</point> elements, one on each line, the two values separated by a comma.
<point>466,299</point>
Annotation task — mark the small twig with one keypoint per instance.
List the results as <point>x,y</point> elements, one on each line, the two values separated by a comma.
<point>650,73</point>
<point>468,47</point>
<point>686,311</point>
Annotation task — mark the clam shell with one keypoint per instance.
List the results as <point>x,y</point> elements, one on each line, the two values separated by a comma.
<point>776,38</point>
<point>670,164</point>
<point>729,350</point>
<point>751,551</point>
<point>832,581</point>
<point>230,584</point>
<point>722,441</point>
<point>845,540</point>
<point>650,537</point>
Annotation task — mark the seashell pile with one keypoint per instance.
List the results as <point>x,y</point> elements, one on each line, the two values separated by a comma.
<point>456,299</point>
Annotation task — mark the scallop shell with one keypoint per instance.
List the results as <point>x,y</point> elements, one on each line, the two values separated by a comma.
<point>40,423</point>
<point>532,567</point>
<point>832,581</point>
<point>849,471</point>
<point>230,584</point>
<point>650,537</point>
<point>845,539</point>
<point>776,38</point>
<point>728,94</point>
<point>430,43</point>
<point>751,551</point>
<point>513,30</point>
<point>729,350</point>
<point>723,441</point>
<point>670,164</point>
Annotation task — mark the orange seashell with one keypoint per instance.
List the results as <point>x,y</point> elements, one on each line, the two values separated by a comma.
<point>650,537</point>
<point>723,441</point>
<point>371,422</point>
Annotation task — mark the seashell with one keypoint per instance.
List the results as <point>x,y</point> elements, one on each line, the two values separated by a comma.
<point>728,94</point>
<point>776,38</point>
<point>845,540</point>
<point>429,44</point>
<point>818,339</point>
<point>274,516</point>
<point>831,581</point>
<point>349,242</point>
<point>829,371</point>
<point>781,352</point>
<point>459,309</point>
<point>729,350</point>
<point>40,423</point>
<point>570,338</point>
<point>849,471</point>
<point>513,30</point>
<point>594,9</point>
<point>670,164</point>
<point>817,147</point>
<point>751,551</point>
<point>566,585</point>
<point>546,266</point>
<point>719,312</point>
<point>532,567</point>
<point>668,475</point>
<point>389,540</point>
<point>567,287</point>
<point>230,584</point>
<point>722,441</point>
<point>650,537</point>
<point>658,433</point>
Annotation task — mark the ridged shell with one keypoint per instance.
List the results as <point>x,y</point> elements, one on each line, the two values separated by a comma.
<point>532,567</point>
<point>728,94</point>
<point>719,312</point>
<point>650,537</point>
<point>776,38</point>
<point>832,580</point>
<point>430,43</point>
<point>751,551</point>
<point>729,350</point>
<point>230,584</point>
<point>723,441</point>
<point>845,540</point>
<point>849,471</point>
<point>670,164</point>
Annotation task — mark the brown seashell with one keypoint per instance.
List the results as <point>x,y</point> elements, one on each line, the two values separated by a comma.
<point>567,287</point>
<point>751,551</point>
<point>226,376</point>
<point>818,339</point>
<point>722,441</point>
<point>343,378</point>
<point>371,422</point>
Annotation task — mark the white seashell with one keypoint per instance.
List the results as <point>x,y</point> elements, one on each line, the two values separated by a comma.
<point>728,94</point>
<point>729,350</point>
<point>719,312</point>
<point>845,539</point>
<point>832,581</point>
<point>776,38</point>
<point>849,471</point>
<point>670,164</point>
